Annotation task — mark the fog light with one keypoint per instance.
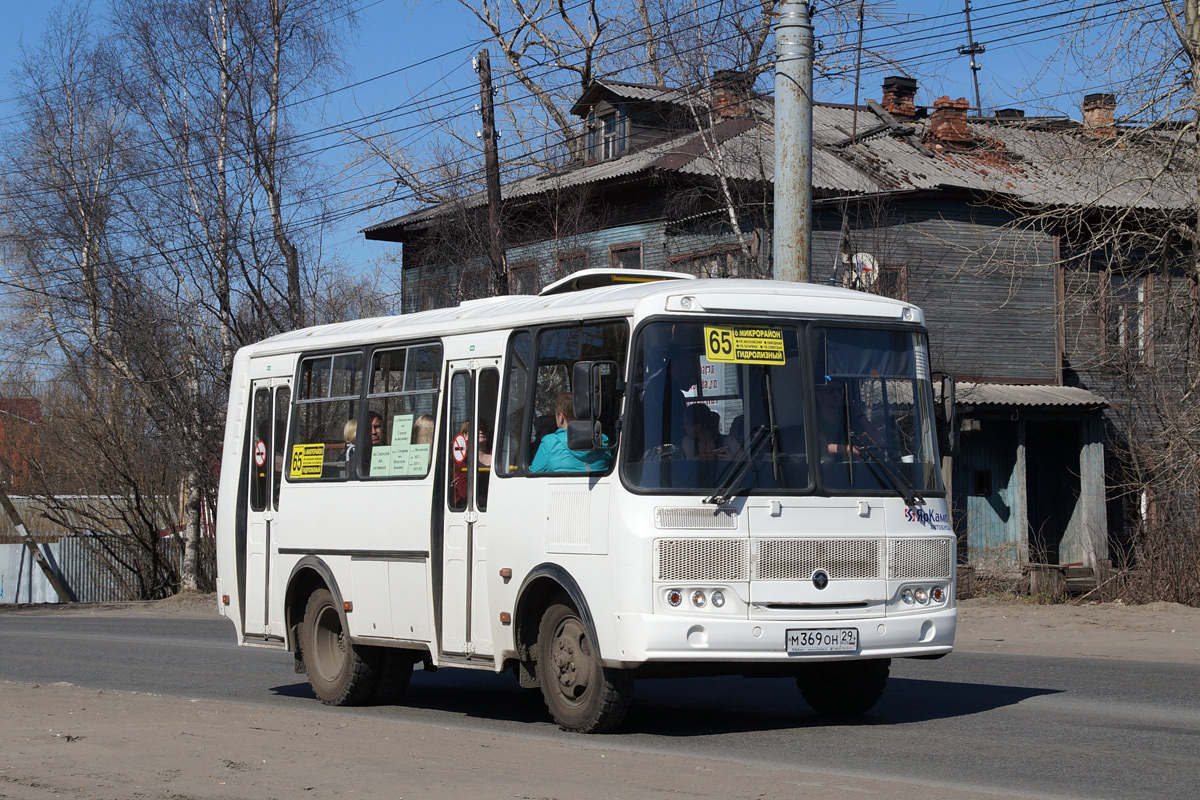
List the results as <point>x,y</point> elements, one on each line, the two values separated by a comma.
<point>922,595</point>
<point>907,596</point>
<point>718,599</point>
<point>674,597</point>
<point>938,594</point>
<point>698,599</point>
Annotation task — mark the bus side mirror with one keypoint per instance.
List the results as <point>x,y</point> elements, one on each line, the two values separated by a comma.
<point>583,390</point>
<point>593,391</point>
<point>946,412</point>
<point>584,434</point>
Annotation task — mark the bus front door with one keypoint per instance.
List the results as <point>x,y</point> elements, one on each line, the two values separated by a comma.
<point>465,619</point>
<point>270,399</point>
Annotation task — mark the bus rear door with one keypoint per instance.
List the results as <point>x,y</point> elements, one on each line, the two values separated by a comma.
<point>270,399</point>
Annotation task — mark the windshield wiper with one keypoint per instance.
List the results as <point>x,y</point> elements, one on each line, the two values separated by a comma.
<point>737,470</point>
<point>897,480</point>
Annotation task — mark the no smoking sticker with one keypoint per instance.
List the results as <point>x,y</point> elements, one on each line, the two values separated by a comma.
<point>260,453</point>
<point>460,448</point>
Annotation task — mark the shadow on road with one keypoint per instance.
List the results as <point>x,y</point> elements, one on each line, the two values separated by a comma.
<point>684,707</point>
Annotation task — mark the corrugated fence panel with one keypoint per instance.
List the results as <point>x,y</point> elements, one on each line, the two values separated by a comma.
<point>93,575</point>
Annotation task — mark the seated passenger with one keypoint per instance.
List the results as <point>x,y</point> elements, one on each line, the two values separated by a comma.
<point>553,455</point>
<point>703,440</point>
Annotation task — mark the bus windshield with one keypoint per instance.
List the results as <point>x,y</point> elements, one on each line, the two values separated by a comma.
<point>727,409</point>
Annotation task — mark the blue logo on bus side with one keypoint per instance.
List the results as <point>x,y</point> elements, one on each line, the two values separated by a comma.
<point>930,519</point>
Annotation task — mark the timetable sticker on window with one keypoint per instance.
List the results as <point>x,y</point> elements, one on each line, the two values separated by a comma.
<point>744,345</point>
<point>307,460</point>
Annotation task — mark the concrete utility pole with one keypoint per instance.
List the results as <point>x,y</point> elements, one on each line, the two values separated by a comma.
<point>792,249</point>
<point>491,163</point>
<point>63,591</point>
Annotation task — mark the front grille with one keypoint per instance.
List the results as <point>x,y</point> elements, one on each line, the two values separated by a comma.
<point>701,559</point>
<point>798,559</point>
<point>709,560</point>
<point>696,518</point>
<point>920,558</point>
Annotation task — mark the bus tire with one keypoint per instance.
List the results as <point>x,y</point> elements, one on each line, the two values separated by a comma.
<point>340,673</point>
<point>395,671</point>
<point>843,688</point>
<point>581,694</point>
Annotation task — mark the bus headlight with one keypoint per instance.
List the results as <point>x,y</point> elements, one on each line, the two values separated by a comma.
<point>674,597</point>
<point>907,596</point>
<point>718,599</point>
<point>698,599</point>
<point>922,595</point>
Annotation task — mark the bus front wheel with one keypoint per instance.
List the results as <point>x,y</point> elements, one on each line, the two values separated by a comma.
<point>340,673</point>
<point>582,694</point>
<point>843,688</point>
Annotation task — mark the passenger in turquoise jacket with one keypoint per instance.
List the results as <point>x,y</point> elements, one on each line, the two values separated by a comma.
<point>553,455</point>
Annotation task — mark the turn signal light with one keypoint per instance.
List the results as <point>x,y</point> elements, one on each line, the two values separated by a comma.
<point>674,597</point>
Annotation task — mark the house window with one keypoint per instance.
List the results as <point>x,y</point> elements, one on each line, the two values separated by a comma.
<point>726,262</point>
<point>1125,315</point>
<point>523,278</point>
<point>570,263</point>
<point>625,256</point>
<point>607,132</point>
<point>475,283</point>
<point>893,282</point>
<point>610,140</point>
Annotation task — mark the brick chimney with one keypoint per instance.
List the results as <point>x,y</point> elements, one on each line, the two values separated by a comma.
<point>1098,114</point>
<point>730,92</point>
<point>898,94</point>
<point>949,122</point>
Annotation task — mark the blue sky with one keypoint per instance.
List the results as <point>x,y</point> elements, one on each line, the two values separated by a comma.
<point>422,43</point>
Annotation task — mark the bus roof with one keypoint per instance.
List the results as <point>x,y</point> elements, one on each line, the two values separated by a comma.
<point>718,296</point>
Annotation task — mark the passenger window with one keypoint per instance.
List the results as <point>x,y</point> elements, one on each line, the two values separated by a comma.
<point>326,417</point>
<point>398,438</point>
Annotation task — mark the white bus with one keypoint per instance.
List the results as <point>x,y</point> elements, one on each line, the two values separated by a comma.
<point>632,474</point>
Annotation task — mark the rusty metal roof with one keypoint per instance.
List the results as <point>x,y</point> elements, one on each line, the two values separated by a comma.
<point>1000,394</point>
<point>863,152</point>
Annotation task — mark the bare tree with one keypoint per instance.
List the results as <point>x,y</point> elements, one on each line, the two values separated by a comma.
<point>164,215</point>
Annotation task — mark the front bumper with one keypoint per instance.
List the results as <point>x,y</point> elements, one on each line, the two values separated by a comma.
<point>645,638</point>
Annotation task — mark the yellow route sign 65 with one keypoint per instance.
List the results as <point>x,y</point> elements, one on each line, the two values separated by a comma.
<point>307,460</point>
<point>744,345</point>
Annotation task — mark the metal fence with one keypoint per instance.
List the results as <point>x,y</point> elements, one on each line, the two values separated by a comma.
<point>95,576</point>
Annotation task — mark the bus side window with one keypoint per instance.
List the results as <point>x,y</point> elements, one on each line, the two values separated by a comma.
<point>327,399</point>
<point>513,420</point>
<point>558,349</point>
<point>397,440</point>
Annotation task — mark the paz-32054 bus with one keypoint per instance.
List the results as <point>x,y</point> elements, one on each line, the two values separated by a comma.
<point>631,474</point>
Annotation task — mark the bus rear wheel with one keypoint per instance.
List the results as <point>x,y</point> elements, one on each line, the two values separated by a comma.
<point>340,673</point>
<point>843,688</point>
<point>581,694</point>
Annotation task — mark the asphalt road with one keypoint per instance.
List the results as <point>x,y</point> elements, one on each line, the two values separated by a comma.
<point>1054,726</point>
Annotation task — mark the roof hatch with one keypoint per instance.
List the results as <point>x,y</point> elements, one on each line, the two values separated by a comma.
<point>595,278</point>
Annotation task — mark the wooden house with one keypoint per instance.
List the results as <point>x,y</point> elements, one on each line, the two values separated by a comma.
<point>977,220</point>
